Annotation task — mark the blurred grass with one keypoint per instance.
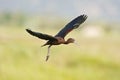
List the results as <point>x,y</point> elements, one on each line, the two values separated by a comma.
<point>22,58</point>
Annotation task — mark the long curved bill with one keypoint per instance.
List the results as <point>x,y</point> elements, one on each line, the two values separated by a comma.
<point>76,43</point>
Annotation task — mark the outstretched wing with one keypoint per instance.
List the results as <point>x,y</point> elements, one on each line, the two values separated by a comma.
<point>72,25</point>
<point>40,35</point>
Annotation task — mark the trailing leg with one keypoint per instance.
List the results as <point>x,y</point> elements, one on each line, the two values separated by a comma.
<point>48,54</point>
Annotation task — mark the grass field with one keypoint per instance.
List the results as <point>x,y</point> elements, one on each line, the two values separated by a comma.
<point>22,58</point>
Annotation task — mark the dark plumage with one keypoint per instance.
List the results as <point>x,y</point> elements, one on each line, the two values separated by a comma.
<point>59,38</point>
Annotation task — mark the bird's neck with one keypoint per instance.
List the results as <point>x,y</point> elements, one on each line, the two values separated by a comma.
<point>66,42</point>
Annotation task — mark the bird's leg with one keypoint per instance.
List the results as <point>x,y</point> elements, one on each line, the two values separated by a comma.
<point>48,54</point>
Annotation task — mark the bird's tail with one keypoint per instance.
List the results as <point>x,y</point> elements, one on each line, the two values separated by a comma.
<point>44,45</point>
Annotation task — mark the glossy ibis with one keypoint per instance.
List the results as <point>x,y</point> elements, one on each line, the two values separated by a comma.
<point>59,38</point>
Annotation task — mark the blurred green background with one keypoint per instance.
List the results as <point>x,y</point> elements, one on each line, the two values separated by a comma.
<point>23,58</point>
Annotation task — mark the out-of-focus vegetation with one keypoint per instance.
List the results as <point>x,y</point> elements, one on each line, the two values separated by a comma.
<point>9,19</point>
<point>22,58</point>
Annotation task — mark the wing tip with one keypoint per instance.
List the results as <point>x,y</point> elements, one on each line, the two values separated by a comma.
<point>84,16</point>
<point>29,31</point>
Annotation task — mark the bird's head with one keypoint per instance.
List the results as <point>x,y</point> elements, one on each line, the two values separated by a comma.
<point>70,40</point>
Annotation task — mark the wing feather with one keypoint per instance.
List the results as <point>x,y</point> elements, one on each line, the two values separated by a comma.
<point>40,35</point>
<point>75,23</point>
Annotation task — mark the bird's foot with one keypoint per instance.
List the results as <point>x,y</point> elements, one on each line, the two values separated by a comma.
<point>47,57</point>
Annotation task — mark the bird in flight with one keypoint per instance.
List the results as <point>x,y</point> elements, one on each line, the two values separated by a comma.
<point>59,37</point>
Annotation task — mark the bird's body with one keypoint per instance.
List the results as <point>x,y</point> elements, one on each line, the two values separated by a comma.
<point>59,41</point>
<point>59,38</point>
